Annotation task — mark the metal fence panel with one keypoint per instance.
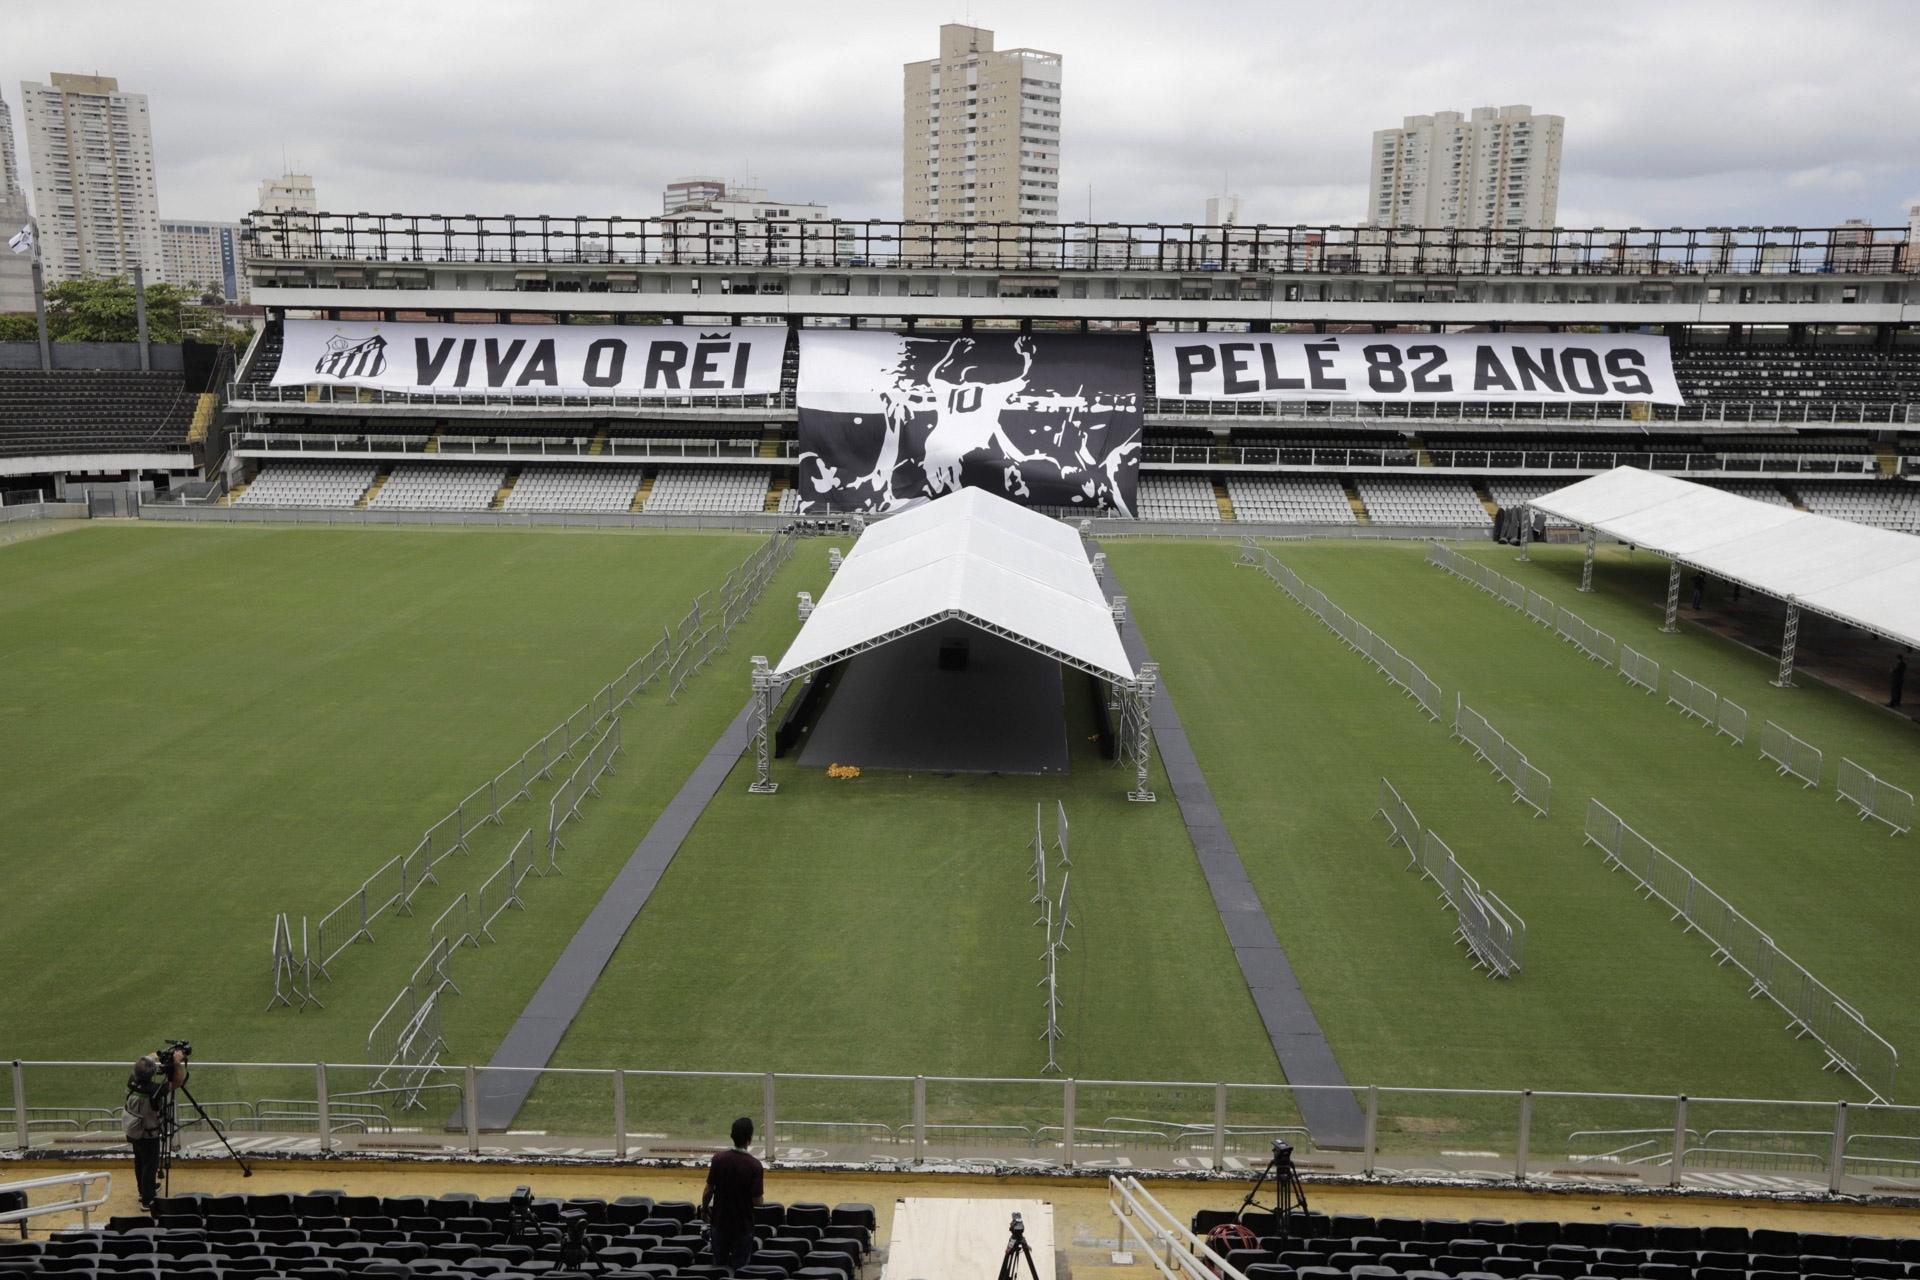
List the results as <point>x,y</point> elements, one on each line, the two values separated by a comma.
<point>1851,1045</point>
<point>1732,721</point>
<point>1639,669</point>
<point>1874,796</point>
<point>1406,827</point>
<point>1792,755</point>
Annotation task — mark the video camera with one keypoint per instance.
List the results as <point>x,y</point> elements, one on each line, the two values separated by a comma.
<point>183,1047</point>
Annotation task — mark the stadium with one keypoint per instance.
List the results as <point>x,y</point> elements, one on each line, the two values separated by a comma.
<point>558,689</point>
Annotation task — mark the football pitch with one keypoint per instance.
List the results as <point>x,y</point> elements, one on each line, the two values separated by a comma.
<point>206,726</point>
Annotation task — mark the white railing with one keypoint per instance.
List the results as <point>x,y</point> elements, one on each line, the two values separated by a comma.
<point>301,1110</point>
<point>90,1192</point>
<point>556,447</point>
<point>1531,786</point>
<point>1147,1227</point>
<point>1851,1045</point>
<point>1874,796</point>
<point>1793,756</point>
<point>1569,458</point>
<point>1634,416</point>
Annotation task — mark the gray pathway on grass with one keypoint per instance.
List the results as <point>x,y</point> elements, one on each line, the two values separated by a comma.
<point>1332,1115</point>
<point>537,1032</point>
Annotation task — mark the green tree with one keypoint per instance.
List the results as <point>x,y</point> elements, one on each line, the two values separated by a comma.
<point>17,326</point>
<point>103,311</point>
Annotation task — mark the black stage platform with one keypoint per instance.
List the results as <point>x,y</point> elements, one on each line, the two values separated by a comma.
<point>896,708</point>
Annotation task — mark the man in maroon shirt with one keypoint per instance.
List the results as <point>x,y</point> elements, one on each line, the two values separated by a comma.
<point>735,1183</point>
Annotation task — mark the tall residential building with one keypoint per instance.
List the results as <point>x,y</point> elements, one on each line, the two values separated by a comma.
<point>205,256</point>
<point>287,193</point>
<point>90,147</point>
<point>982,140</point>
<point>1496,169</point>
<point>16,269</point>
<point>688,193</point>
<point>1913,238</point>
<point>9,167</point>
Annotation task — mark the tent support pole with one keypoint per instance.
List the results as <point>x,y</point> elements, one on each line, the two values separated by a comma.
<point>1788,641</point>
<point>1672,624</point>
<point>1586,565</point>
<point>763,700</point>
<point>1142,693</point>
<point>1526,534</point>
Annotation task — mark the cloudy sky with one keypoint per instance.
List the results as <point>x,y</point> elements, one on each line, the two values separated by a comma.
<point>1677,113</point>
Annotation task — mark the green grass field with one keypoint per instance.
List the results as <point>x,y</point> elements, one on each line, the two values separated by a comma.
<point>209,725</point>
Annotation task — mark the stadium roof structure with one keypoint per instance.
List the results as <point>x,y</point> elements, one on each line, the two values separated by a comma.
<point>1865,577</point>
<point>976,558</point>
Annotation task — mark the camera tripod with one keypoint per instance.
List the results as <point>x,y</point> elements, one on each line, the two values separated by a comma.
<point>170,1143</point>
<point>1289,1196</point>
<point>1016,1250</point>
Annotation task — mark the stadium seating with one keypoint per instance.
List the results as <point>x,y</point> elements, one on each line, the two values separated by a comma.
<point>1844,374</point>
<point>708,490</point>
<point>1758,490</point>
<point>308,484</point>
<point>1289,500</point>
<point>580,488</point>
<point>456,1237</point>
<point>1885,506</point>
<point>1323,1247</point>
<point>426,486</point>
<point>92,412</point>
<point>1177,497</point>
<point>1421,500</point>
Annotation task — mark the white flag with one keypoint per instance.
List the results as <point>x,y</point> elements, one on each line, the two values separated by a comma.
<point>22,241</point>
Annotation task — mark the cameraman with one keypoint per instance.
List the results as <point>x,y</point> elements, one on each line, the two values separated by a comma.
<point>149,1112</point>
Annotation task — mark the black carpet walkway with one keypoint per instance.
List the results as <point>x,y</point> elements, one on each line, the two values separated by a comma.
<point>1332,1116</point>
<point>553,1007</point>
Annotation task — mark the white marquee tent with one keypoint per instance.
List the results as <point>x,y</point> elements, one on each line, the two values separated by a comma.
<point>977,558</point>
<point>1867,578</point>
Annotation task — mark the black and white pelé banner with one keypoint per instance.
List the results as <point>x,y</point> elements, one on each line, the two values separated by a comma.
<point>481,359</point>
<point>1557,367</point>
<point>1046,419</point>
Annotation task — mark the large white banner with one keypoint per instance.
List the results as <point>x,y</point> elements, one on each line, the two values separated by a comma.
<point>1560,367</point>
<point>485,358</point>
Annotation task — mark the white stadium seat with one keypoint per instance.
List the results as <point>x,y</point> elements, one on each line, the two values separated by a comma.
<point>708,490</point>
<point>1286,499</point>
<point>1421,500</point>
<point>308,484</point>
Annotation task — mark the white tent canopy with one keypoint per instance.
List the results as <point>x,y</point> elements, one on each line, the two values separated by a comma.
<point>974,556</point>
<point>1867,578</point>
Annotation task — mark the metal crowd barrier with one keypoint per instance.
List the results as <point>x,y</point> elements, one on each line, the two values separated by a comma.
<point>1513,593</point>
<point>1874,796</point>
<point>1146,1227</point>
<point>1399,816</point>
<point>1793,756</point>
<point>1851,1045</point>
<point>1359,637</point>
<point>1531,786</point>
<point>502,889</point>
<point>1639,669</point>
<point>1493,932</point>
<point>1694,699</point>
<point>564,805</point>
<point>680,653</point>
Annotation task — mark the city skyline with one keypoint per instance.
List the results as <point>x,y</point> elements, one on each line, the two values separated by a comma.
<point>1688,128</point>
